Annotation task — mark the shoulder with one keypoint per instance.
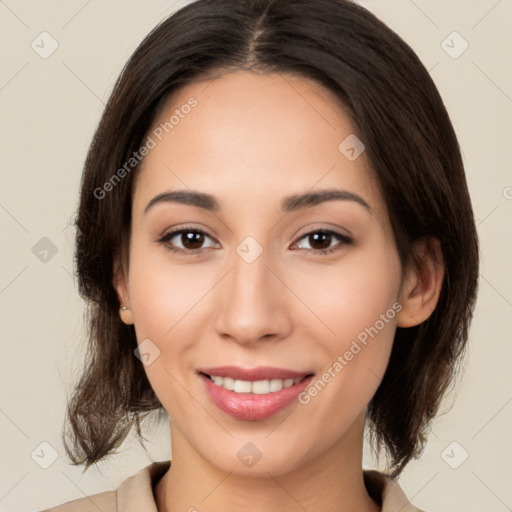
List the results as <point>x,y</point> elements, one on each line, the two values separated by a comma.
<point>133,494</point>
<point>104,501</point>
<point>387,492</point>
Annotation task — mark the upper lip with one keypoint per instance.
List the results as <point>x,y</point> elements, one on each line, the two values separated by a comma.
<point>253,374</point>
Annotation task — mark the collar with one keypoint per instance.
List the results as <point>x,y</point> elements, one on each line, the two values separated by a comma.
<point>136,493</point>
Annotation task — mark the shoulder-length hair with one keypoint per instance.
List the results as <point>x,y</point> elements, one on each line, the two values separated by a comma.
<point>398,113</point>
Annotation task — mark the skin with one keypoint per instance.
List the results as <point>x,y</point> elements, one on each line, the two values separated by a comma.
<point>252,140</point>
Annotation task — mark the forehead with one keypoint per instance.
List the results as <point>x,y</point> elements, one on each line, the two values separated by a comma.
<point>257,134</point>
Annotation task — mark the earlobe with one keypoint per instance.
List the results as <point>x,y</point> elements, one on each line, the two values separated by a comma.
<point>126,315</point>
<point>422,284</point>
<point>120,285</point>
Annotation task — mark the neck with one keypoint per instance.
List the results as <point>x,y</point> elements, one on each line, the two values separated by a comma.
<point>331,482</point>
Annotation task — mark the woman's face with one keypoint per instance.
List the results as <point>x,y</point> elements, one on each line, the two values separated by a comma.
<point>250,288</point>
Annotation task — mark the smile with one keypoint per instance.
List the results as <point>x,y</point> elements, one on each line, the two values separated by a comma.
<point>253,394</point>
<point>259,387</point>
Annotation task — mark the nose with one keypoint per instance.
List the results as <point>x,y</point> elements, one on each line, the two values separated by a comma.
<point>254,304</point>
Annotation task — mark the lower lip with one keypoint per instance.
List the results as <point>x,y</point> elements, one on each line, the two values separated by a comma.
<point>250,406</point>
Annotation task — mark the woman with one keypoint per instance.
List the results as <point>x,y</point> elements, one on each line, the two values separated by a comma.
<point>278,248</point>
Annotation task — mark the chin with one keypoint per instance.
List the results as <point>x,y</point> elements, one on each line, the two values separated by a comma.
<point>249,457</point>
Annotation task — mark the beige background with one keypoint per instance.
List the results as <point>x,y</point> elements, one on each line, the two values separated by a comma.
<point>48,111</point>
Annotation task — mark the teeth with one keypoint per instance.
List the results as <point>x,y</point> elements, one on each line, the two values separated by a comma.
<point>242,386</point>
<point>276,385</point>
<point>218,380</point>
<point>259,387</point>
<point>228,383</point>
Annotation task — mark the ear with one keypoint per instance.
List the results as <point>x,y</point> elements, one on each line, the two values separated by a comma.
<point>120,283</point>
<point>422,284</point>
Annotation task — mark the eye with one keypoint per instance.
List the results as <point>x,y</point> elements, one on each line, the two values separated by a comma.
<point>320,241</point>
<point>192,240</point>
<point>185,240</point>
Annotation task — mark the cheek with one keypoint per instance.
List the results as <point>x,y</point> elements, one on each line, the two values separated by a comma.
<point>356,307</point>
<point>164,294</point>
<point>163,302</point>
<point>348,297</point>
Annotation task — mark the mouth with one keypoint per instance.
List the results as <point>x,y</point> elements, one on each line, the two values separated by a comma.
<point>258,387</point>
<point>253,394</point>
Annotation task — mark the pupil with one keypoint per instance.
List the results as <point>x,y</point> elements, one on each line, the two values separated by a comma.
<point>321,238</point>
<point>192,240</point>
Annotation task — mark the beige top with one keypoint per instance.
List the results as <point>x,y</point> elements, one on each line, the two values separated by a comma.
<point>135,494</point>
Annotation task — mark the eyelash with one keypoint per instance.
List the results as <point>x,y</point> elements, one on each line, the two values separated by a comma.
<point>197,252</point>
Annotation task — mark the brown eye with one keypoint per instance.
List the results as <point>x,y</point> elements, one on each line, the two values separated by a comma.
<point>321,241</point>
<point>192,239</point>
<point>186,241</point>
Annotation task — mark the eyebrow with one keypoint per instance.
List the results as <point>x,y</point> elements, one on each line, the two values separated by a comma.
<point>289,204</point>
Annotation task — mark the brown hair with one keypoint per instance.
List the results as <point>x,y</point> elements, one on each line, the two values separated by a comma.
<point>409,139</point>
